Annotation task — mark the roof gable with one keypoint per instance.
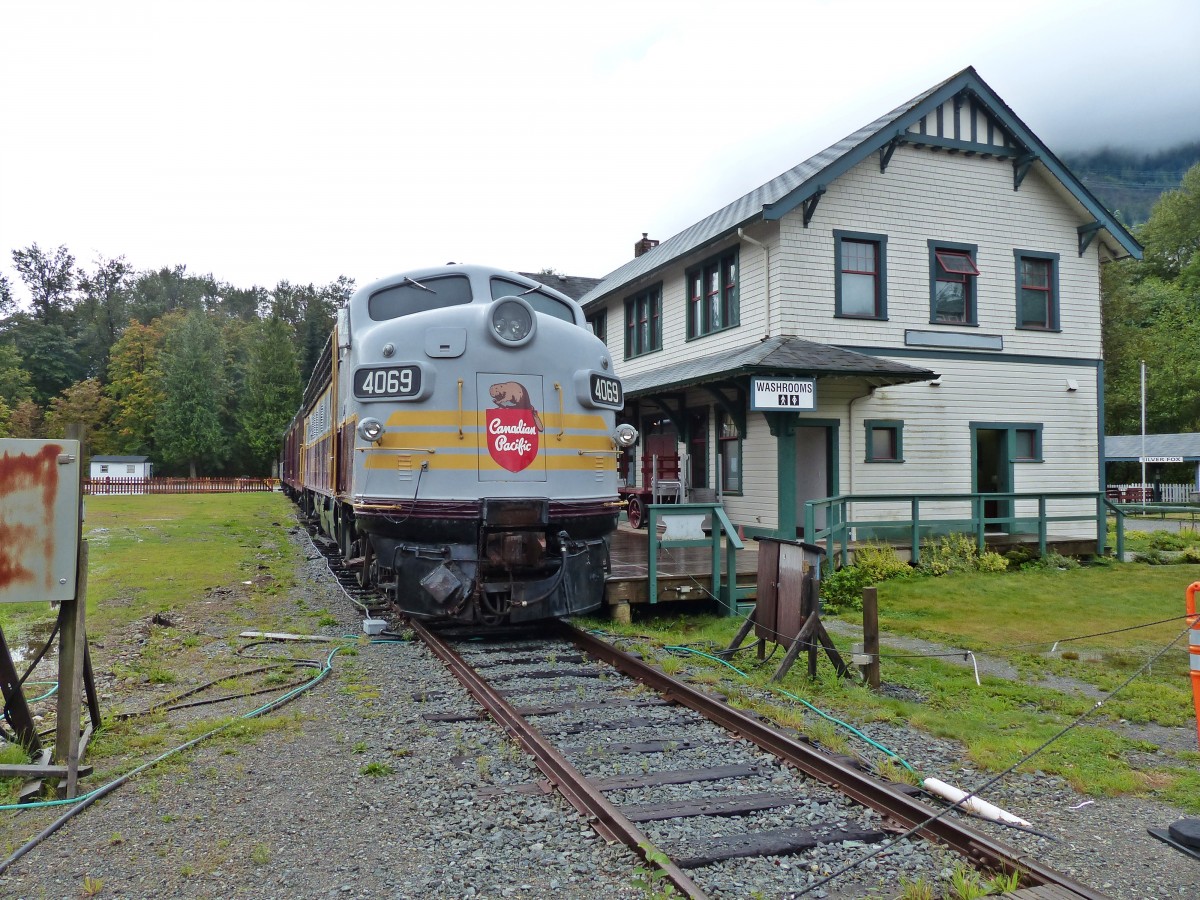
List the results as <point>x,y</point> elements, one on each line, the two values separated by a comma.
<point>932,119</point>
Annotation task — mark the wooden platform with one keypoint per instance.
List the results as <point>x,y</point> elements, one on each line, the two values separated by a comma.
<point>683,573</point>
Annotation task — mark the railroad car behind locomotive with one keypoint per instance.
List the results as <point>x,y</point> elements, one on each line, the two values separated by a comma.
<point>458,440</point>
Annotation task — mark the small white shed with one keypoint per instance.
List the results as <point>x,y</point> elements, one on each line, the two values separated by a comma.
<point>120,467</point>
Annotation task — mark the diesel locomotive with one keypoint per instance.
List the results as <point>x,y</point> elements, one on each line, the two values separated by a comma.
<point>458,439</point>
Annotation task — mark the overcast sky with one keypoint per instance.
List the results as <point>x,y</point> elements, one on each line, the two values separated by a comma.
<point>297,140</point>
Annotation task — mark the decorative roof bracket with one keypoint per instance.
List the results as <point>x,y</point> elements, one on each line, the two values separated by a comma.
<point>1087,234</point>
<point>810,205</point>
<point>674,413</point>
<point>1021,167</point>
<point>735,409</point>
<point>886,151</point>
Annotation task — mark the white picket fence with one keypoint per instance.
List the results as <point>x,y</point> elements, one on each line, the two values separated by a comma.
<point>1171,493</point>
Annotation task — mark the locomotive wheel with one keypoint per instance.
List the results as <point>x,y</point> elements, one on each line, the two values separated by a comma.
<point>636,512</point>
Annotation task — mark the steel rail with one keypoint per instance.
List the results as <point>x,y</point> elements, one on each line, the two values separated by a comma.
<point>605,818</point>
<point>868,791</point>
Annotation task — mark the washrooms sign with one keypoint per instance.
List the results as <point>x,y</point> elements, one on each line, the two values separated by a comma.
<point>783,394</point>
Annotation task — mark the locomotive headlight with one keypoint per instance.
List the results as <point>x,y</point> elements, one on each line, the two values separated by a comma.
<point>512,321</point>
<point>625,435</point>
<point>370,430</point>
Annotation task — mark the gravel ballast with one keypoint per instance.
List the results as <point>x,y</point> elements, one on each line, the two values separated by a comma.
<point>356,794</point>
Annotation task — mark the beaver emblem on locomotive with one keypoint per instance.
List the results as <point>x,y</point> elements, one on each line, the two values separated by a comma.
<point>513,427</point>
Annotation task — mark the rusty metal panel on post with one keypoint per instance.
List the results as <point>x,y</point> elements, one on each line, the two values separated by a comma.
<point>39,520</point>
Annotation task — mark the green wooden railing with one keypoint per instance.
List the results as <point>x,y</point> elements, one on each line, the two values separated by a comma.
<point>918,524</point>
<point>725,590</point>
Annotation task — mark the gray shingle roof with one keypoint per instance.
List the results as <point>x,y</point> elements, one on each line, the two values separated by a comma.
<point>829,164</point>
<point>574,286</point>
<point>1127,447</point>
<point>775,356</point>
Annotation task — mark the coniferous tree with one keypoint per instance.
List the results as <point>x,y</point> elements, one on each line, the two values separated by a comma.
<point>273,392</point>
<point>188,427</point>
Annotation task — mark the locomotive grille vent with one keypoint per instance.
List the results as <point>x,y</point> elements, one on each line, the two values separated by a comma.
<point>404,467</point>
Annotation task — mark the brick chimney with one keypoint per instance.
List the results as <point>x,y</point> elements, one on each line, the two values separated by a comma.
<point>645,245</point>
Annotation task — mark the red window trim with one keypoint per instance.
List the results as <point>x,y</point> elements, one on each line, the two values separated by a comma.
<point>965,265</point>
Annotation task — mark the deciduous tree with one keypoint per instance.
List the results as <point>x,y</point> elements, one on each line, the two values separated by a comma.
<point>135,385</point>
<point>14,380</point>
<point>81,404</point>
<point>50,278</point>
<point>103,310</point>
<point>26,420</point>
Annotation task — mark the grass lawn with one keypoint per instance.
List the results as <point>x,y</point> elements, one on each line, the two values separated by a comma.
<point>213,564</point>
<point>1016,616</point>
<point>155,553</point>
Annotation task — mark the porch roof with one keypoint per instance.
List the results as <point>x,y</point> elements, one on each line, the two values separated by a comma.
<point>775,356</point>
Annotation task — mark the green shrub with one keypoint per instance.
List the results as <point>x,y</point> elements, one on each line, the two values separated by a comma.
<point>843,589</point>
<point>1153,558</point>
<point>881,562</point>
<point>873,564</point>
<point>1167,540</point>
<point>950,553</point>
<point>992,562</point>
<point>1021,554</point>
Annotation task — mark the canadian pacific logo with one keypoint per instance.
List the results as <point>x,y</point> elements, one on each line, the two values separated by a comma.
<point>513,427</point>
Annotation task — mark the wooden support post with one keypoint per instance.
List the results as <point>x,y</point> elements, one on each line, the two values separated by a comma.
<point>739,637</point>
<point>14,701</point>
<point>71,646</point>
<point>871,636</point>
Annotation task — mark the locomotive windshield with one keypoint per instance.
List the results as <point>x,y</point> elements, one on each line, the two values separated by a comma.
<point>540,301</point>
<point>414,297</point>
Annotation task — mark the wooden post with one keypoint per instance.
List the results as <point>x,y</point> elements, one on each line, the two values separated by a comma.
<point>72,643</point>
<point>72,648</point>
<point>14,701</point>
<point>871,636</point>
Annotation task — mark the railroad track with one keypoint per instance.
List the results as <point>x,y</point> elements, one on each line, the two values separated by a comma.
<point>662,728</point>
<point>685,780</point>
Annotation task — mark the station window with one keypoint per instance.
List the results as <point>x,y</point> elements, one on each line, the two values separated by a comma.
<point>1037,290</point>
<point>952,275</point>
<point>1027,443</point>
<point>713,295</point>
<point>599,324</point>
<point>729,447</point>
<point>643,322</point>
<point>885,440</point>
<point>861,288</point>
